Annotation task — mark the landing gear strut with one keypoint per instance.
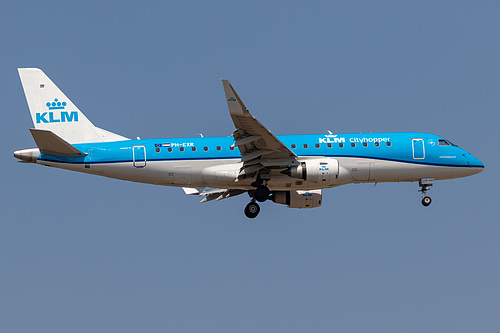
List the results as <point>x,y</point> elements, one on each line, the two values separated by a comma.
<point>252,210</point>
<point>424,184</point>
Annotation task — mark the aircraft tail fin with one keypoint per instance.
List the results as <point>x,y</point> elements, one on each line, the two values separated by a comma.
<point>51,110</point>
<point>50,144</point>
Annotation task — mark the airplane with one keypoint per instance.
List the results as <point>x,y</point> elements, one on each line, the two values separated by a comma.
<point>287,169</point>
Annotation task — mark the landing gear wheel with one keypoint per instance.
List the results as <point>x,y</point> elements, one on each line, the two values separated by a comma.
<point>261,193</point>
<point>252,210</point>
<point>426,201</point>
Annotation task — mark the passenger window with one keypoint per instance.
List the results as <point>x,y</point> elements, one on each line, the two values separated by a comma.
<point>169,150</point>
<point>442,142</point>
<point>317,145</point>
<point>294,146</point>
<point>305,145</point>
<point>353,144</point>
<point>341,145</point>
<point>231,147</point>
<point>377,144</point>
<point>181,149</point>
<point>329,145</point>
<point>389,144</point>
<point>157,150</point>
<point>219,148</point>
<point>365,144</point>
<point>205,148</point>
<point>193,148</point>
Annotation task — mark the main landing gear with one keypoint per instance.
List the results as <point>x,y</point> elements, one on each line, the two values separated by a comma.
<point>252,210</point>
<point>261,194</point>
<point>424,187</point>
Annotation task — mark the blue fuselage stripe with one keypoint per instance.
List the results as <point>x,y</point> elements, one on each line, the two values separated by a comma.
<point>366,146</point>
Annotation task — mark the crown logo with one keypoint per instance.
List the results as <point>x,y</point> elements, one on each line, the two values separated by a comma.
<point>56,105</point>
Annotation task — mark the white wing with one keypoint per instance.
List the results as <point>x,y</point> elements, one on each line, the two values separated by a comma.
<point>257,145</point>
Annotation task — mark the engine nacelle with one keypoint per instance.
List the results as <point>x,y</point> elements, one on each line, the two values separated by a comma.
<point>316,170</point>
<point>298,199</point>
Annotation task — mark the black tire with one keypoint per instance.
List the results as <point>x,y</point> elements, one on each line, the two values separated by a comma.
<point>261,193</point>
<point>252,210</point>
<point>426,201</point>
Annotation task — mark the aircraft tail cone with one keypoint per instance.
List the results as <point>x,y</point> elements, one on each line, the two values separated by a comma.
<point>27,155</point>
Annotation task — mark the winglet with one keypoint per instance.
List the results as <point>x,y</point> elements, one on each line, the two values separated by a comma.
<point>234,102</point>
<point>50,144</point>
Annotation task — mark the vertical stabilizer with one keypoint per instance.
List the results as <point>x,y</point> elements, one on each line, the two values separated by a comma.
<point>51,110</point>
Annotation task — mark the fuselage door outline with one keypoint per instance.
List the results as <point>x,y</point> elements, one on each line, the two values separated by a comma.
<point>139,156</point>
<point>418,149</point>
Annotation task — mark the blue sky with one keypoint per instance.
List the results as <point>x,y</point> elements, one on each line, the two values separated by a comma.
<point>81,253</point>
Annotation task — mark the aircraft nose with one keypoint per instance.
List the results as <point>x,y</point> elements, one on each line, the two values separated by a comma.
<point>475,163</point>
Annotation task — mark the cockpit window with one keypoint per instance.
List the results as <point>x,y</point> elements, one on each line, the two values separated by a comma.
<point>443,142</point>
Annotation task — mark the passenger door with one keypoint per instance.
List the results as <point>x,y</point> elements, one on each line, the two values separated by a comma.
<point>418,149</point>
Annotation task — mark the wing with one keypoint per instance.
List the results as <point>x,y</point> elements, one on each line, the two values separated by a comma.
<point>257,145</point>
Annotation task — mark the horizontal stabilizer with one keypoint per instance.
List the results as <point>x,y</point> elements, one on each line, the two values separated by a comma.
<point>50,144</point>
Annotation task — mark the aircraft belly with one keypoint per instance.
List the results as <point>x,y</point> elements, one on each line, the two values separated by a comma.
<point>373,170</point>
<point>122,170</point>
<point>185,172</point>
<point>176,173</point>
<point>401,172</point>
<point>222,174</point>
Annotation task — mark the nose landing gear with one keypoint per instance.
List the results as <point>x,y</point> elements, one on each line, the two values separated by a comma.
<point>424,184</point>
<point>426,201</point>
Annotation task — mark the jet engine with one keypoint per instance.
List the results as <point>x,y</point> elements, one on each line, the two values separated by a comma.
<point>316,170</point>
<point>298,199</point>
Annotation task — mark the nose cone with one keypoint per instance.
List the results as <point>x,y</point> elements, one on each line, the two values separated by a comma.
<point>475,164</point>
